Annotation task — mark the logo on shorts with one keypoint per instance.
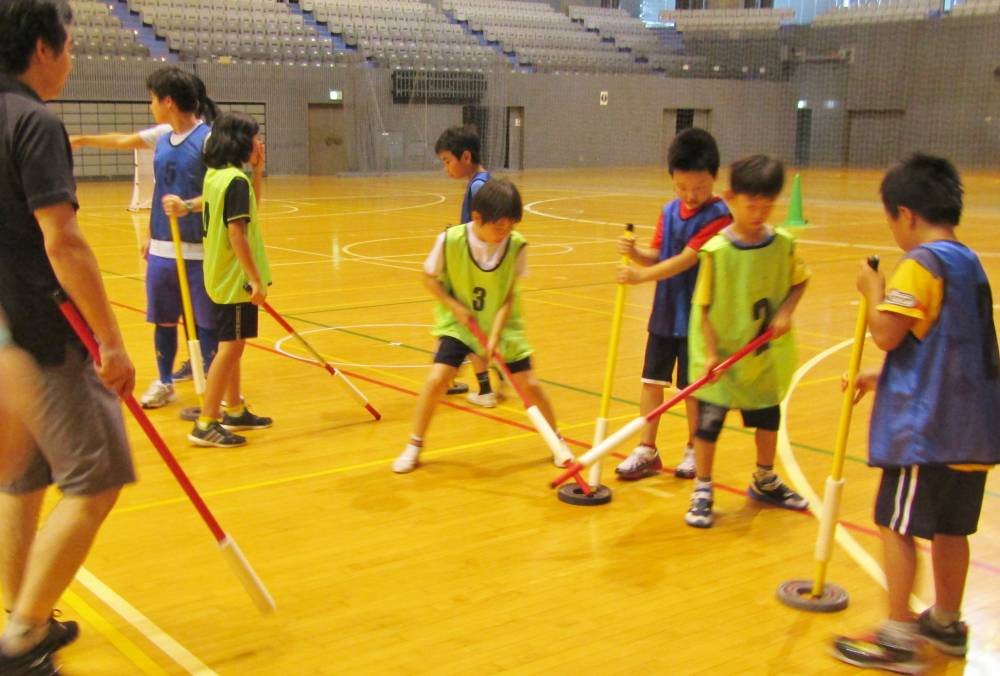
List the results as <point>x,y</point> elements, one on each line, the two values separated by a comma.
<point>897,297</point>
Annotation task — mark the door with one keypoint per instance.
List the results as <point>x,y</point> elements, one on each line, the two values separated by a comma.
<point>327,139</point>
<point>803,136</point>
<point>515,139</point>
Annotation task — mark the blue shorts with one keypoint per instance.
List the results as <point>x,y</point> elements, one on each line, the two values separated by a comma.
<point>163,293</point>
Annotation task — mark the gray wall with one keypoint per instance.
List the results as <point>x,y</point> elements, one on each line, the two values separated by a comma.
<point>935,76</point>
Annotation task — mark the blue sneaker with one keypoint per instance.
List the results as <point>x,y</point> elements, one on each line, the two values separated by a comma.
<point>775,492</point>
<point>699,514</point>
<point>245,421</point>
<point>183,373</point>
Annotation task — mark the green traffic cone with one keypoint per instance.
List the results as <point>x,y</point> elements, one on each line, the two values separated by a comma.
<point>795,218</point>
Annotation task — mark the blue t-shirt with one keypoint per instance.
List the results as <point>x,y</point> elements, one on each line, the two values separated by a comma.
<point>677,230</point>
<point>179,171</point>
<point>475,183</point>
<point>938,399</point>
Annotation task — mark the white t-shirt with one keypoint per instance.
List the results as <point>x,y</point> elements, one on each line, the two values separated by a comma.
<point>153,134</point>
<point>486,255</point>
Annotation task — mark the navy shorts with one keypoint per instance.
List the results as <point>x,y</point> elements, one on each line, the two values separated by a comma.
<point>163,293</point>
<point>452,352</point>
<point>711,418</point>
<point>661,354</point>
<point>923,501</point>
<point>236,322</point>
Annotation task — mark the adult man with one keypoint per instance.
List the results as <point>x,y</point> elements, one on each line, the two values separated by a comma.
<point>78,431</point>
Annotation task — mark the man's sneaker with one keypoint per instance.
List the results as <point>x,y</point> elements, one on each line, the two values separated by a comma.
<point>488,400</point>
<point>245,421</point>
<point>183,373</point>
<point>457,388</point>
<point>642,462</point>
<point>699,514</point>
<point>158,395</point>
<point>408,460</point>
<point>775,492</point>
<point>61,634</point>
<point>877,652</point>
<point>36,662</point>
<point>216,435</point>
<point>952,639</point>
<point>685,469</point>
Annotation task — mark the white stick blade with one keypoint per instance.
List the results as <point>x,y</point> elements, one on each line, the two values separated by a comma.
<point>247,576</point>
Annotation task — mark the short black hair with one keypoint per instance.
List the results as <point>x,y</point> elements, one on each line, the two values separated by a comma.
<point>693,149</point>
<point>231,141</point>
<point>456,140</point>
<point>179,85</point>
<point>757,176</point>
<point>498,198</point>
<point>23,22</point>
<point>926,185</point>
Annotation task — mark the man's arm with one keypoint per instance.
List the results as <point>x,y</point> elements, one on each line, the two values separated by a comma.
<point>75,267</point>
<point>499,322</point>
<point>436,289</point>
<point>782,320</point>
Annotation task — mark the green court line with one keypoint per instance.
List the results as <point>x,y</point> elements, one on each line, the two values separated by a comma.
<point>553,383</point>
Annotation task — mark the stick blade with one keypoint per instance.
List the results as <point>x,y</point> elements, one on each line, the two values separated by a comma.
<point>246,575</point>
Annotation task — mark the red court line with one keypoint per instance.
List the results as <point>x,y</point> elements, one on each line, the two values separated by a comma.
<point>575,442</point>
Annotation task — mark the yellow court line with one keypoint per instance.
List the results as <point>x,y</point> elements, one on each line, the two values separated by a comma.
<point>130,650</point>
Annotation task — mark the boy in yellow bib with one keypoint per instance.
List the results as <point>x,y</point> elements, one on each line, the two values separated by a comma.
<point>473,271</point>
<point>750,278</point>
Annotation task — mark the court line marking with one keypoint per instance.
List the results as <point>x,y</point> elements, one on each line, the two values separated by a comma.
<point>798,478</point>
<point>131,651</point>
<point>278,346</point>
<point>161,639</point>
<point>336,214</point>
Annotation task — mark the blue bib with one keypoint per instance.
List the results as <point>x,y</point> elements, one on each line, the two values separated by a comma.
<point>178,171</point>
<point>477,182</point>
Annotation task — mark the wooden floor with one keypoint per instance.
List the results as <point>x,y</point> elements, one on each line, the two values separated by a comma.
<point>470,564</point>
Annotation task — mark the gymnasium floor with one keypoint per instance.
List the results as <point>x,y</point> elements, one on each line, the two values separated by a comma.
<point>470,564</point>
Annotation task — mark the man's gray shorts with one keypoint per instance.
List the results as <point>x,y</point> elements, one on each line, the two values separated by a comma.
<point>80,435</point>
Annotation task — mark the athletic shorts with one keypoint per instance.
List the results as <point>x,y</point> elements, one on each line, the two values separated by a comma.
<point>923,501</point>
<point>236,322</point>
<point>452,351</point>
<point>712,417</point>
<point>163,293</point>
<point>661,355</point>
<point>80,442</point>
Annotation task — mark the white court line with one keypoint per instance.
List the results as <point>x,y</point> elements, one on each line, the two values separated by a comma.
<point>278,346</point>
<point>798,479</point>
<point>336,214</point>
<point>143,624</point>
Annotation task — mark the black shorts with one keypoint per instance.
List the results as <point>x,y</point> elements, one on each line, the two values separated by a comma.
<point>452,351</point>
<point>923,501</point>
<point>661,355</point>
<point>712,417</point>
<point>236,322</point>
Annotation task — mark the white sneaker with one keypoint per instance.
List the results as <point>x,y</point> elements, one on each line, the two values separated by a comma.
<point>158,395</point>
<point>488,400</point>
<point>565,458</point>
<point>407,460</point>
<point>685,469</point>
<point>641,463</point>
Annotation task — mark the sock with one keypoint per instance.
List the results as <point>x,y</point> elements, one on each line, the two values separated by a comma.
<point>901,634</point>
<point>484,382</point>
<point>209,340</point>
<point>237,410</point>
<point>649,449</point>
<point>703,484</point>
<point>204,422</point>
<point>165,342</point>
<point>764,474</point>
<point>416,442</point>
<point>943,618</point>
<point>20,636</point>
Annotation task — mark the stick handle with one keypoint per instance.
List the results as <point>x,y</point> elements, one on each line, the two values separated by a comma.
<point>197,363</point>
<point>76,321</point>
<point>477,331</point>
